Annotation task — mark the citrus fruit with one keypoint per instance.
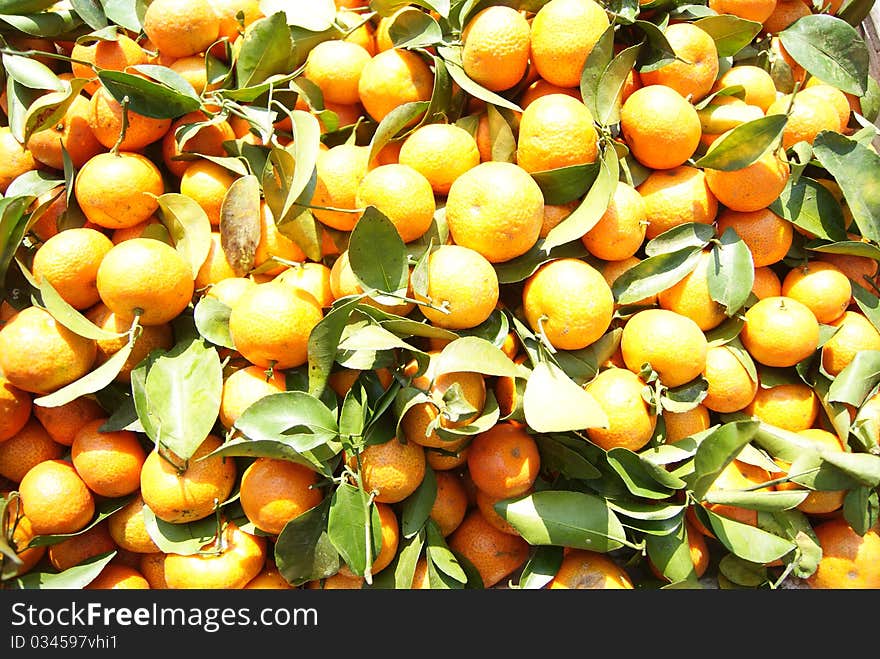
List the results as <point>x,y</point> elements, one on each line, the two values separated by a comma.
<point>674,345</point>
<point>780,331</point>
<point>55,499</point>
<point>631,422</point>
<point>496,47</point>
<point>118,190</point>
<point>273,492</point>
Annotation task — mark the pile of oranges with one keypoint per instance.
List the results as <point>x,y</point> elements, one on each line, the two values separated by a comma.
<point>439,295</point>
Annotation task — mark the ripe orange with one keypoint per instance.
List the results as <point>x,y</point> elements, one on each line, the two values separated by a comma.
<point>766,283</point>
<point>451,456</point>
<point>83,546</point>
<point>357,30</point>
<point>695,68</point>
<point>208,141</point>
<point>631,422</point>
<point>311,277</point>
<point>620,231</point>
<point>118,190</point>
<point>192,69</point>
<point>504,460</point>
<point>493,553</point>
<point>780,331</point>
<point>556,131</point>
<point>21,536</point>
<point>228,13</point>
<point>27,448</point>
<point>69,260</point>
<point>243,387</point>
<point>767,235</point>
<point>145,276</point>
<point>660,127</point>
<point>808,116</point>
<point>582,569</point>
<point>40,355</point>
<point>273,492</point>
<point>391,78</point>
<point>731,388</point>
<point>128,529</point>
<point>793,406</point>
<point>230,289</point>
<point>116,576</point>
<point>105,120</point>
<point>206,183</point>
<point>392,469</point>
<point>338,581</point>
<point>109,462</point>
<point>72,132</point>
<point>149,338</point>
<point>15,409</point>
<point>274,246</point>
<point>441,153</point>
<point>450,503</point>
<point>757,83</point>
<point>335,66</point>
<point>497,209</point>
<point>679,425</point>
<point>849,560</point>
<point>215,267</point>
<point>818,502</point>
<point>752,188</point>
<point>855,334</point>
<point>857,268</point>
<point>821,286</point>
<point>674,345</point>
<point>183,496</point>
<point>269,578</point>
<point>64,421</point>
<point>751,10</point>
<point>690,296</point>
<point>152,566</point>
<point>178,28</point>
<point>402,194</point>
<point>339,171</point>
<point>16,159</point>
<point>676,196</point>
<point>228,562</point>
<point>496,47</point>
<point>55,498</point>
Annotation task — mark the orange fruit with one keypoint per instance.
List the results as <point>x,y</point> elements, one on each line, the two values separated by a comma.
<point>339,171</point>
<point>807,117</point>
<point>493,553</point>
<point>766,283</point>
<point>335,66</point>
<point>16,159</point>
<point>55,498</point>
<point>818,502</point>
<point>215,267</point>
<point>562,36</point>
<point>496,47</point>
<point>391,78</point>
<point>128,528</point>
<point>269,578</point>
<point>849,560</point>
<point>273,492</point>
<point>337,581</point>
<point>679,425</point>
<point>674,345</point>
<point>206,183</point>
<point>828,94</point>
<point>184,496</point>
<point>229,289</point>
<point>21,535</point>
<point>793,406</point>
<point>118,190</point>
<point>660,127</point>
<point>822,286</point>
<point>72,132</point>
<point>152,566</point>
<point>690,296</point>
<point>15,409</point>
<point>402,194</point>
<point>751,10</point>
<point>357,30</point>
<point>105,120</point>
<point>784,14</point>
<point>620,231</point>
<point>631,422</point>
<point>149,338</point>
<point>208,140</point>
<point>752,188</point>
<point>441,153</point>
<point>311,277</point>
<point>757,83</point>
<point>245,386</point>
<point>554,214</point>
<point>40,355</point>
<point>109,462</point>
<point>780,331</point>
<point>81,547</point>
<point>486,505</point>
<point>64,421</point>
<point>857,268</point>
<point>736,475</point>
<point>27,448</point>
<point>450,503</point>
<point>731,388</point>
<point>228,13</point>
<point>392,469</point>
<point>767,235</point>
<point>583,569</point>
<point>148,277</point>
<point>228,562</point>
<point>451,456</point>
<point>504,460</point>
<point>115,576</point>
<point>178,28</point>
<point>855,334</point>
<point>192,68</point>
<point>556,131</point>
<point>676,196</point>
<point>69,260</point>
<point>695,68</point>
<point>138,230</point>
<point>274,246</point>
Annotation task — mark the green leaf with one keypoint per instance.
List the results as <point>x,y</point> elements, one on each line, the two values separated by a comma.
<point>31,73</point>
<point>266,49</point>
<point>655,274</point>
<point>13,226</point>
<point>766,501</point>
<point>855,169</point>
<point>126,13</point>
<point>656,50</point>
<point>856,381</point>
<point>189,227</point>
<point>744,144</point>
<point>501,136</point>
<point>830,49</point>
<point>168,77</point>
<point>305,148</point>
<point>24,6</point>
<point>570,519</point>
<point>643,478</point>
<point>417,506</point>
<point>375,234</point>
<point>184,539</point>
<point>522,267</point>
<point>393,123</point>
<point>565,184</point>
<point>743,540</point>
<point>809,205</point>
<point>452,59</point>
<point>323,343</point>
<point>91,12</point>
<point>410,549</point>
<point>860,509</point>
<point>74,578</point>
<point>557,457</point>
<point>685,396</point>
<point>554,403</point>
<point>346,523</point>
<point>670,554</point>
<point>413,28</point>
<point>868,303</point>
<point>597,62</point>
<point>71,318</point>
<point>543,564</point>
<point>147,98</point>
<point>441,557</point>
<point>473,354</point>
<point>730,33</point>
<point>716,451</point>
<point>212,320</point>
<point>295,418</point>
<point>730,272</point>
<point>303,551</point>
<point>609,95</point>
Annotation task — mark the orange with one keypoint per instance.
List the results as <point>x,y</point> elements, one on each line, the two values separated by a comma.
<point>178,28</point>
<point>55,498</point>
<point>402,194</point>
<point>808,116</point>
<point>270,325</point>
<point>504,460</point>
<point>114,54</point>
<point>15,409</point>
<point>756,82</point>
<point>274,246</point>
<point>583,569</point>
<point>857,268</point>
<point>679,425</point>
<point>818,502</point>
<point>344,283</point>
<point>53,206</point>
<point>268,579</point>
<point>496,47</point>
<point>486,505</point>
<point>229,289</point>
<point>311,277</point>
<point>391,78</point>
<point>228,13</point>
<point>105,120</point>
<point>724,113</point>
<point>563,35</point>
<point>64,421</point>
<point>451,456</point>
<point>854,102</point>
<point>554,214</point>
<point>660,127</point>
<point>339,171</point>
<point>672,344</point>
<point>392,470</point>
<point>699,551</point>
<point>357,30</point>
<point>631,422</point>
<point>497,209</point>
<point>784,14</point>
<point>493,553</point>
<point>192,69</point>
<point>335,66</point>
<point>115,576</point>
<point>676,196</point>
<point>823,287</point>
<point>206,183</point>
<point>620,231</point>
<point>244,387</point>
<point>128,529</point>
<point>71,132</point>
<point>462,283</point>
<point>752,188</point>
<point>228,562</point>
<point>450,503</point>
<point>389,542</point>
<point>751,10</point>
<point>849,560</point>
<point>690,296</point>
<point>273,492</point>
<point>69,260</point>
<point>766,234</point>
<point>793,406</point>
<point>556,131</point>
<point>16,159</point>
<point>441,153</point>
<point>338,581</point>
<point>190,492</point>
<point>569,302</point>
<point>27,448</point>
<point>138,230</point>
<point>20,536</point>
<point>736,475</point>
<point>695,68</point>
<point>780,331</point>
<point>109,462</point>
<point>118,190</point>
<point>152,566</point>
<point>215,267</point>
<point>149,338</point>
<point>83,546</point>
<point>145,276</point>
<point>40,355</point>
<point>824,93</point>
<point>855,334</point>
<point>731,387</point>
<point>421,579</point>
<point>208,140</point>
<point>766,283</point>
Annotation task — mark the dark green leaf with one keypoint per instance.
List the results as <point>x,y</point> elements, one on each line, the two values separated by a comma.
<point>145,97</point>
<point>127,13</point>
<point>393,123</point>
<point>412,28</point>
<point>295,418</point>
<point>670,554</point>
<point>266,50</point>
<point>323,343</point>
<point>522,267</point>
<point>417,506</point>
<point>743,540</point>
<point>169,77</point>
<point>809,205</point>
<point>716,451</point>
<point>655,274</point>
<point>103,509</point>
<point>690,234</point>
<point>542,566</point>
<point>731,272</point>
<point>349,523</point>
<point>91,12</point>
<point>642,478</point>
<point>731,33</point>
<point>184,539</point>
<point>74,578</point>
<point>441,557</point>
<point>744,144</point>
<point>610,92</point>
<point>13,226</point>
<point>375,234</point>
<point>861,509</point>
<point>303,551</point>
<point>566,184</point>
<point>853,384</point>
